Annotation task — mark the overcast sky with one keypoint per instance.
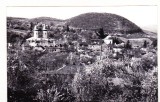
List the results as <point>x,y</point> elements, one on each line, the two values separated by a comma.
<point>140,15</point>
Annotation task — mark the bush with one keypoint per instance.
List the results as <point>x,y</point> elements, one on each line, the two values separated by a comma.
<point>117,81</point>
<point>149,61</point>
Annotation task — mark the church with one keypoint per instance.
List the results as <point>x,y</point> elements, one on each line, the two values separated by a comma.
<point>40,37</point>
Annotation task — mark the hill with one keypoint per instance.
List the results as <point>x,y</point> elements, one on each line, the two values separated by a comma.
<point>46,20</point>
<point>110,22</point>
<point>12,21</point>
<point>24,22</point>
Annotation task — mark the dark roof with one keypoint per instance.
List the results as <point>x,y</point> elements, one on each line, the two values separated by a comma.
<point>83,43</point>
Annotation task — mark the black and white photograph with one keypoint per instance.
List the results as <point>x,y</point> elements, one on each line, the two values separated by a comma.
<point>82,54</point>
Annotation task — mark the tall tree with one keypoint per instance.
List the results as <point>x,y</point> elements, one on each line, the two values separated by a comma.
<point>31,27</point>
<point>67,28</point>
<point>100,33</point>
<point>128,45</point>
<point>154,43</point>
<point>145,44</point>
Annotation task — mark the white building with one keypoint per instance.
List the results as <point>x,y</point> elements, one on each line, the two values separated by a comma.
<point>108,40</point>
<point>40,37</point>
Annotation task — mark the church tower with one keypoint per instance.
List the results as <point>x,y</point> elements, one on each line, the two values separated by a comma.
<point>44,31</point>
<point>35,32</point>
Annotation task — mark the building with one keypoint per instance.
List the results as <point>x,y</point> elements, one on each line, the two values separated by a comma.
<point>41,38</point>
<point>108,40</point>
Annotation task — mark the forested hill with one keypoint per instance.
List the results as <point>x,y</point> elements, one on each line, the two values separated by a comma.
<point>46,20</point>
<point>110,22</point>
<point>22,22</point>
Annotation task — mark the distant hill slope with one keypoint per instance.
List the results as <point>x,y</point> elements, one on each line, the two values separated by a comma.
<point>16,18</point>
<point>110,22</point>
<point>46,20</point>
<point>26,21</point>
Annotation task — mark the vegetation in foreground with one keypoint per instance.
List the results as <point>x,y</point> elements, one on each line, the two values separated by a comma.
<point>125,80</point>
<point>33,76</point>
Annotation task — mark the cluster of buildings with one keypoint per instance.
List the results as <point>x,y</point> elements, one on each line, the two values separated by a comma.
<point>40,38</point>
<point>41,41</point>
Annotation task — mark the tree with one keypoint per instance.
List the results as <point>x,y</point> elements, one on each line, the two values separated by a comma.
<point>145,44</point>
<point>128,45</point>
<point>52,24</point>
<point>116,40</point>
<point>100,33</point>
<point>67,28</point>
<point>154,43</point>
<point>31,27</point>
<point>19,80</point>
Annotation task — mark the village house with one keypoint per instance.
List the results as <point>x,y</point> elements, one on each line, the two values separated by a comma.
<point>95,44</point>
<point>108,40</point>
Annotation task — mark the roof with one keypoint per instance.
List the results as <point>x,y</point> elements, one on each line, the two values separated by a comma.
<point>33,38</point>
<point>39,48</point>
<point>121,45</point>
<point>108,37</point>
<point>71,69</point>
<point>65,70</point>
<point>40,27</point>
<point>96,39</point>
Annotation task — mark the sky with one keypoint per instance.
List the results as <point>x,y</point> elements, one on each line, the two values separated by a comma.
<point>141,15</point>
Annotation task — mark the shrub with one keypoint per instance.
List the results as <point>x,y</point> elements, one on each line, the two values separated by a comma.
<point>117,81</point>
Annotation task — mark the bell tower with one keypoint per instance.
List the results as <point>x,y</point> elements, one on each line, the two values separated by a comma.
<point>44,31</point>
<point>35,32</point>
